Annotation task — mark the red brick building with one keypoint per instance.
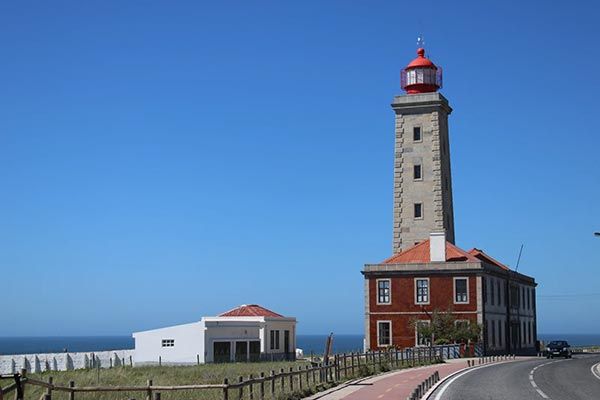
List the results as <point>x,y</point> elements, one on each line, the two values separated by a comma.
<point>409,286</point>
<point>427,271</point>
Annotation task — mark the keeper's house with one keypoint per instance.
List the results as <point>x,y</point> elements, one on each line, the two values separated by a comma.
<point>402,292</point>
<point>246,333</point>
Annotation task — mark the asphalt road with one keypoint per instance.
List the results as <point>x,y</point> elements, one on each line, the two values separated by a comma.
<point>536,379</point>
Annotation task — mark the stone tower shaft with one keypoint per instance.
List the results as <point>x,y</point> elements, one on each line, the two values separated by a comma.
<point>422,176</point>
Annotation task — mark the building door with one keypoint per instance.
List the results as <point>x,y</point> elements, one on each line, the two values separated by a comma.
<point>286,344</point>
<point>241,351</point>
<point>221,352</point>
<point>255,350</point>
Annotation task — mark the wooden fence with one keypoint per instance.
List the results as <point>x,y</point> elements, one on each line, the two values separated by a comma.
<point>338,368</point>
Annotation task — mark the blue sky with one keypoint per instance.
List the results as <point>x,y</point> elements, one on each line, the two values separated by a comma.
<point>161,161</point>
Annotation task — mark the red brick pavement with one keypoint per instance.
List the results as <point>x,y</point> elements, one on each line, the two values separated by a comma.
<point>400,385</point>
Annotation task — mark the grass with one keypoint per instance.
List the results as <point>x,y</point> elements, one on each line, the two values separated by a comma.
<point>165,375</point>
<point>188,375</point>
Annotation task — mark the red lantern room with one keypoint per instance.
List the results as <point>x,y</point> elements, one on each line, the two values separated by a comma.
<point>421,75</point>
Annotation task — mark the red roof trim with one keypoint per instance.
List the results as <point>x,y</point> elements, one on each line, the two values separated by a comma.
<point>419,253</point>
<point>480,254</point>
<point>251,310</point>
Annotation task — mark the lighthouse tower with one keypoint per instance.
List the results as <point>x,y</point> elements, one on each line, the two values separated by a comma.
<point>422,178</point>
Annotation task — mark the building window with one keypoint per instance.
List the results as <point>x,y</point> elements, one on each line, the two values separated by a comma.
<point>384,333</point>
<point>417,137</point>
<point>422,291</point>
<point>492,295</point>
<point>418,210</point>
<point>274,340</point>
<point>461,324</point>
<point>461,290</point>
<point>168,343</point>
<point>485,284</point>
<point>420,338</point>
<point>493,333</point>
<point>498,291</point>
<point>417,172</point>
<point>383,291</point>
<point>500,333</point>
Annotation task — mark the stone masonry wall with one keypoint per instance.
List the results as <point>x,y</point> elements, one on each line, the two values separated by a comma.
<point>41,362</point>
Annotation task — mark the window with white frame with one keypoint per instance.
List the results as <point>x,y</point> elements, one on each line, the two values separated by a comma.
<point>422,291</point>
<point>384,333</point>
<point>461,290</point>
<point>421,339</point>
<point>383,291</point>
<point>461,324</point>
<point>168,343</point>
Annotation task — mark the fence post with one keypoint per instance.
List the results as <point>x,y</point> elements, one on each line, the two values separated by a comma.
<point>300,378</point>
<point>345,366</point>
<point>71,392</point>
<point>49,389</point>
<point>157,396</point>
<point>262,386</point>
<point>159,361</point>
<point>241,390</point>
<point>225,390</point>
<point>291,379</point>
<point>251,388</point>
<point>149,390</point>
<point>282,381</point>
<point>352,362</point>
<point>130,361</point>
<point>272,376</point>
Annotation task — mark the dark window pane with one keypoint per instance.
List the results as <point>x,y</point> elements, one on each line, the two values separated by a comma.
<point>418,210</point>
<point>417,171</point>
<point>417,133</point>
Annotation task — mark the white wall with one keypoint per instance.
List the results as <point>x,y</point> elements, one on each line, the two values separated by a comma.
<point>189,345</point>
<point>41,362</point>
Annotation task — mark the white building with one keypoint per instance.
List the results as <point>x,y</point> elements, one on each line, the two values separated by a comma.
<point>246,333</point>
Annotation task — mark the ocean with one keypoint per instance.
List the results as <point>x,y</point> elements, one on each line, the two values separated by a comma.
<point>308,343</point>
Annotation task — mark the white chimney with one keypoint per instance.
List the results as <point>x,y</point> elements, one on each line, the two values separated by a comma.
<point>437,246</point>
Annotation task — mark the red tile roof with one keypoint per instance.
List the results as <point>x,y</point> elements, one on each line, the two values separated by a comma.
<point>487,258</point>
<point>419,253</point>
<point>250,310</point>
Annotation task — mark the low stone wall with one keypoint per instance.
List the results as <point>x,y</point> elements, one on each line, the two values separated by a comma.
<point>10,364</point>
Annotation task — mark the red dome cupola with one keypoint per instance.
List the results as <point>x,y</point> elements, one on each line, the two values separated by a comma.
<point>421,75</point>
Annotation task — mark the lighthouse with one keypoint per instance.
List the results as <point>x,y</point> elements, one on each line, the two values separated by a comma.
<point>422,174</point>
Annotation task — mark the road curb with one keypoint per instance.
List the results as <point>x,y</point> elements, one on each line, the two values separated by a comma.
<point>428,394</point>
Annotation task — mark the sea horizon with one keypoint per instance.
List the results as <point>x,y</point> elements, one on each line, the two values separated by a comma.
<point>309,343</point>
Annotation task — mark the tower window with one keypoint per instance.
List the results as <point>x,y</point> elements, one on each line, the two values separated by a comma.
<point>417,134</point>
<point>418,210</point>
<point>417,172</point>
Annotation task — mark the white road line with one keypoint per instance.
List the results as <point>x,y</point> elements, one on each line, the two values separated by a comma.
<point>447,384</point>
<point>532,381</point>
<point>596,370</point>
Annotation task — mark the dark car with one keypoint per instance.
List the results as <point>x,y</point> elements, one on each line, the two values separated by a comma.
<point>558,348</point>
